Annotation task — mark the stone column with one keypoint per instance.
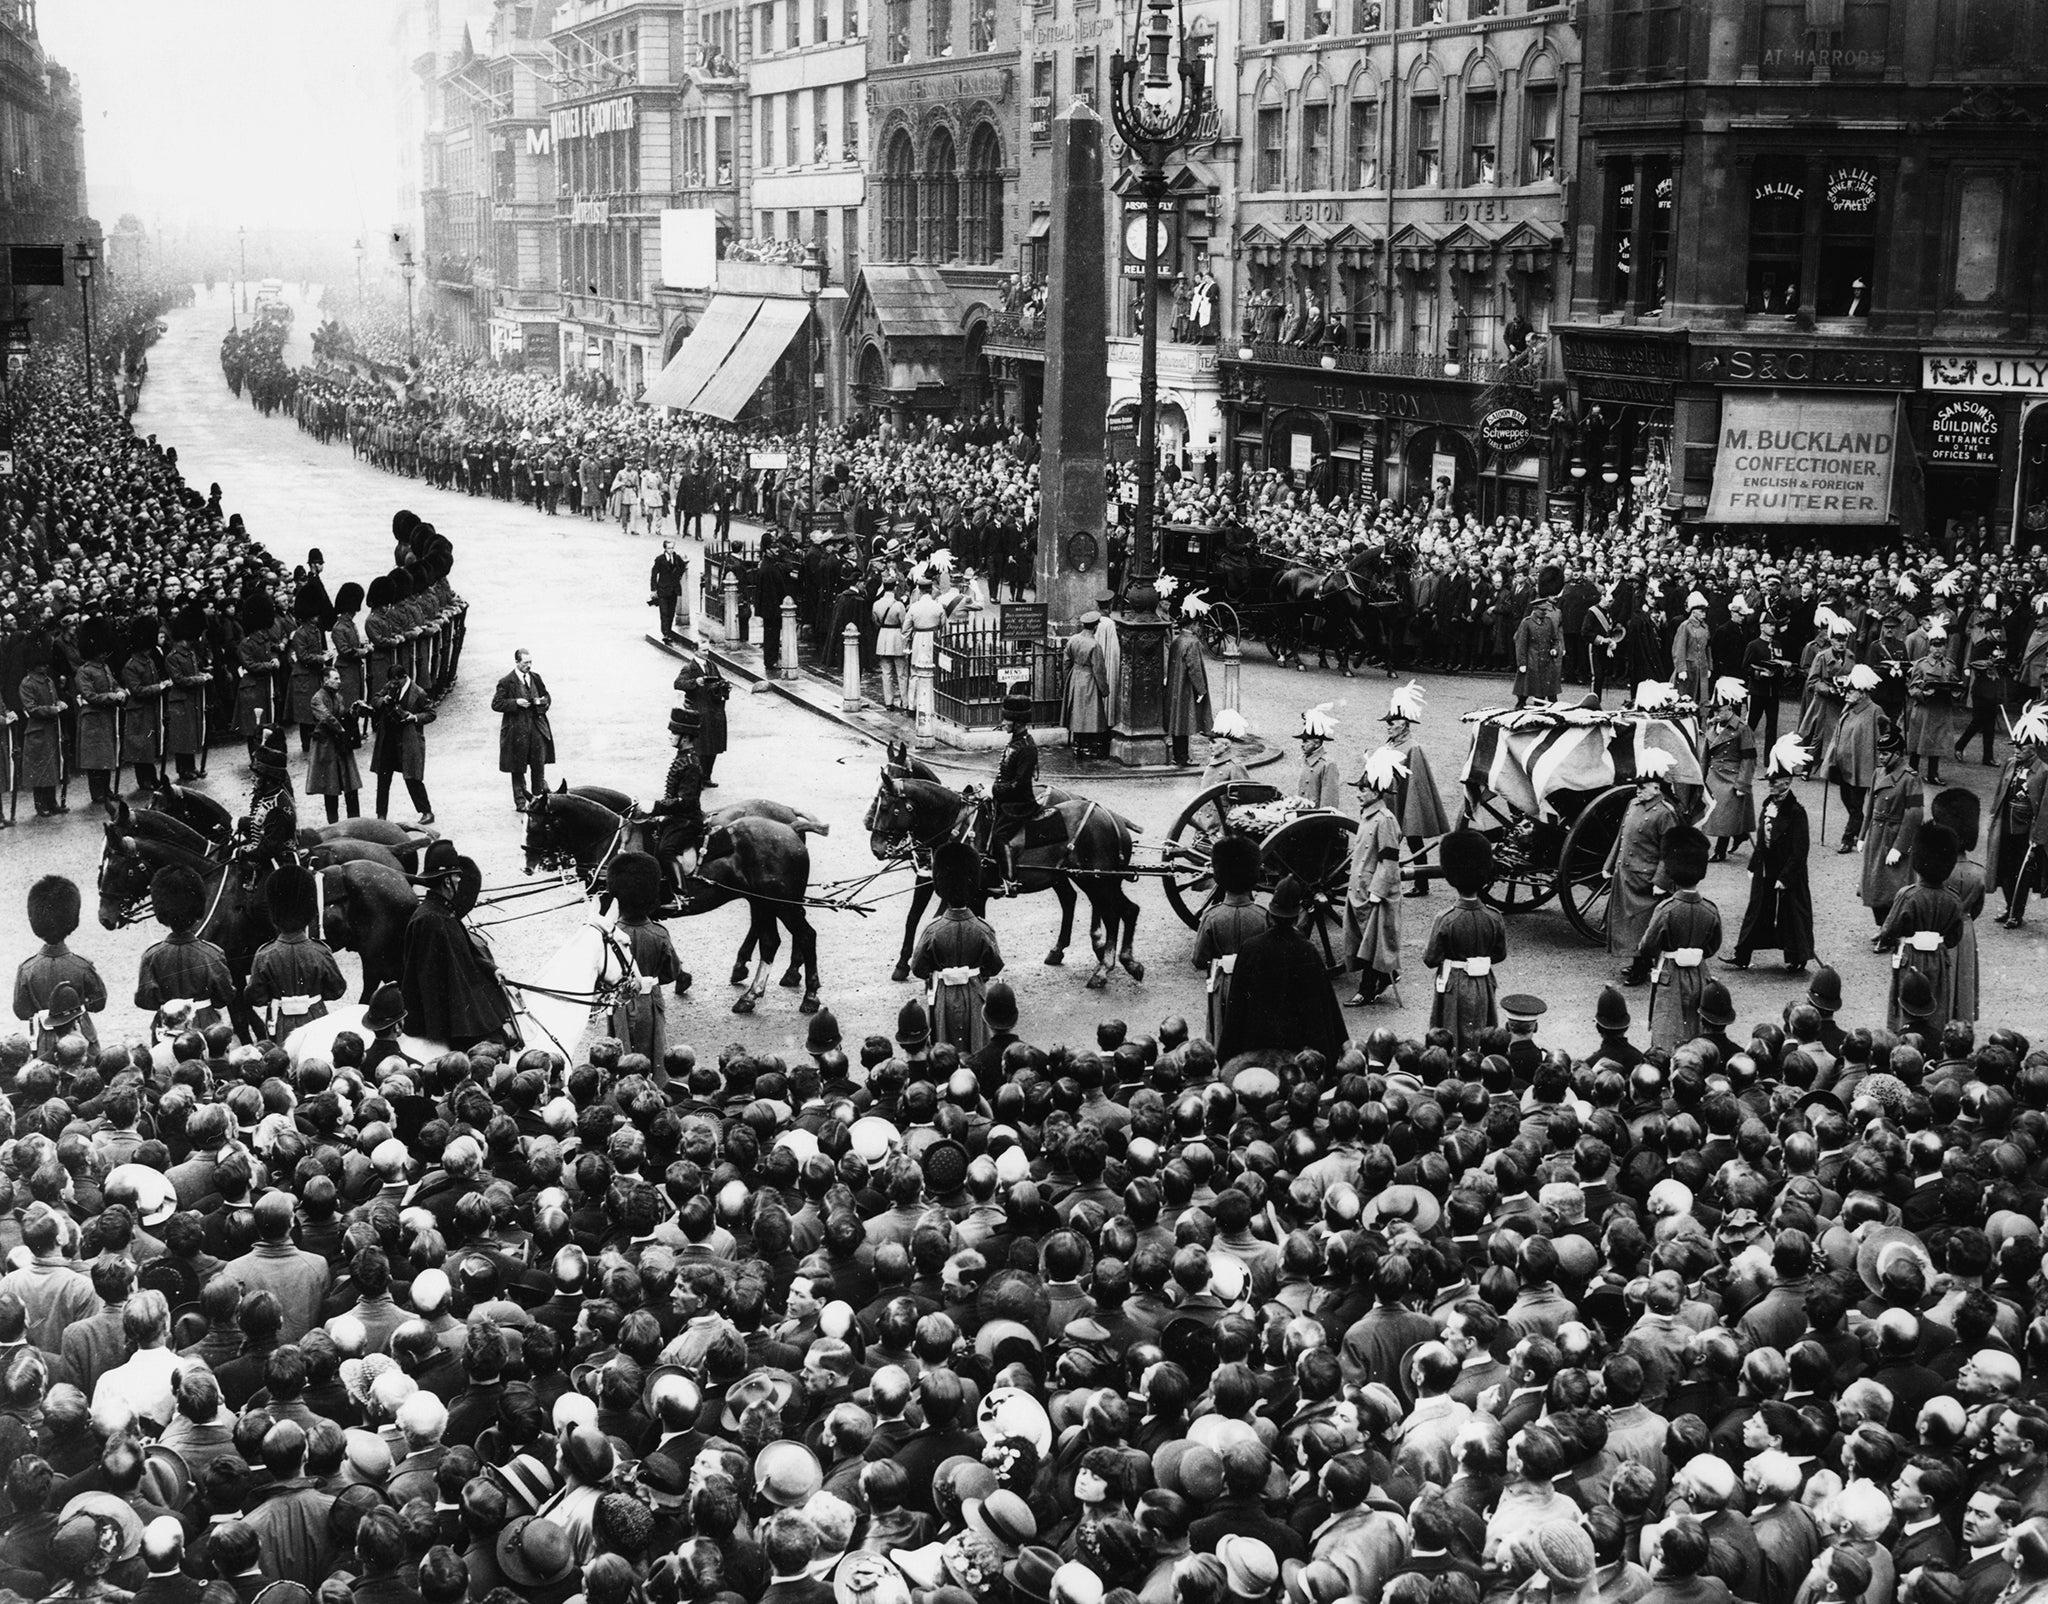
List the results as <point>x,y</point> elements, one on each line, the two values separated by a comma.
<point>1071,420</point>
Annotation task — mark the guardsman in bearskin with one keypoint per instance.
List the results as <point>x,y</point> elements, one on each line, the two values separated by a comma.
<point>42,736</point>
<point>185,702</point>
<point>142,720</point>
<point>1466,943</point>
<point>183,967</point>
<point>267,833</point>
<point>681,808</point>
<point>1683,933</point>
<point>640,1018</point>
<point>1014,795</point>
<point>310,656</point>
<point>294,976</point>
<point>1229,922</point>
<point>52,917</point>
<point>1924,930</point>
<point>956,953</point>
<point>1961,812</point>
<point>259,653</point>
<point>99,696</point>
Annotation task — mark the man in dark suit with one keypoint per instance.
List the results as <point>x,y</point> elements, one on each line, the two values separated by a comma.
<point>526,741</point>
<point>1987,1518</point>
<point>665,584</point>
<point>1923,1494</point>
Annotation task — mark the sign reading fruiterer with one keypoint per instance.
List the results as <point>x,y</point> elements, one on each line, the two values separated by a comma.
<point>1963,434</point>
<point>1791,459</point>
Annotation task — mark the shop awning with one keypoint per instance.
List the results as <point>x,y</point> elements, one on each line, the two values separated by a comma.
<point>1041,226</point>
<point>1788,458</point>
<point>728,390</point>
<point>724,321</point>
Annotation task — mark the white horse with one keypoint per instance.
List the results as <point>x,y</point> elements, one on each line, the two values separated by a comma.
<point>553,1010</point>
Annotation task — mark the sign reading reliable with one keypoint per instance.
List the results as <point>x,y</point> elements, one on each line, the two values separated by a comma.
<point>1786,460</point>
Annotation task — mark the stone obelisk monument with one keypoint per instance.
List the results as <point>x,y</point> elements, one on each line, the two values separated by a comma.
<point>1071,427</point>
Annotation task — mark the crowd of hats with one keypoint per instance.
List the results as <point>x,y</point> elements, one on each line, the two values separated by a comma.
<point>1087,1324</point>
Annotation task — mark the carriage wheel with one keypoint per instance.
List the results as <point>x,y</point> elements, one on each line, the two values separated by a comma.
<point>1219,626</point>
<point>1582,878</point>
<point>1519,882</point>
<point>1316,850</point>
<point>1188,844</point>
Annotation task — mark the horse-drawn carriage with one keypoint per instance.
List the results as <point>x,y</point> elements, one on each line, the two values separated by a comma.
<point>1312,844</point>
<point>1288,604</point>
<point>1549,785</point>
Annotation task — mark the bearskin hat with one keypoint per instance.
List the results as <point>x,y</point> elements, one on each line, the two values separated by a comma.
<point>634,880</point>
<point>257,612</point>
<point>379,593</point>
<point>306,605</point>
<point>1466,858</point>
<point>52,908</point>
<point>35,650</point>
<point>402,587</point>
<point>179,897</point>
<point>95,638</point>
<point>403,523</point>
<point>955,871</point>
<point>684,721</point>
<point>291,897</point>
<point>1550,581</point>
<point>438,563</point>
<point>1685,856</point>
<point>1961,812</point>
<point>1016,708</point>
<point>190,624</point>
<point>349,599</point>
<point>144,633</point>
<point>1935,851</point>
<point>1234,861</point>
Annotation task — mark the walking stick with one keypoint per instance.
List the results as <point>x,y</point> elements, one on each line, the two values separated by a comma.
<point>13,754</point>
<point>63,769</point>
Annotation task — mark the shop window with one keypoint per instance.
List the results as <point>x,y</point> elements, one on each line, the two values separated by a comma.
<point>942,199</point>
<point>1315,145</point>
<point>1642,207</point>
<point>1426,135</point>
<point>899,30</point>
<point>1539,125</point>
<point>1482,135</point>
<point>1777,234</point>
<point>1788,42</point>
<point>939,33</point>
<point>1618,257</point>
<point>984,218</point>
<point>1272,148</point>
<point>1848,241</point>
<point>899,199</point>
<point>1980,237</point>
<point>1276,20</point>
<point>1042,87</point>
<point>1648,36</point>
<point>1365,143</point>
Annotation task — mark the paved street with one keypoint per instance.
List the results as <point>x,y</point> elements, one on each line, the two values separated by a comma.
<point>575,593</point>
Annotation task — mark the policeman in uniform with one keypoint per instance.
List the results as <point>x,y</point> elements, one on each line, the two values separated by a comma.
<point>1014,794</point>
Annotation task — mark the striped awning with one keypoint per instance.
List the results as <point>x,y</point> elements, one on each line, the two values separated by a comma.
<point>721,327</point>
<point>726,394</point>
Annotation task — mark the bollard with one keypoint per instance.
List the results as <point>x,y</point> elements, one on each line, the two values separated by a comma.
<point>788,670</point>
<point>1233,673</point>
<point>849,672</point>
<point>735,629</point>
<point>686,608</point>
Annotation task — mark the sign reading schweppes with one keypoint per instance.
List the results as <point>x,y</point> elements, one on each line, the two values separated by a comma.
<point>1505,429</point>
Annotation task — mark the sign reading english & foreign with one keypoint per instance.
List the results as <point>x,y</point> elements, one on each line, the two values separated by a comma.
<point>1986,370</point>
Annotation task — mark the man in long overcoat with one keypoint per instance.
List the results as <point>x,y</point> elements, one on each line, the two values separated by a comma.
<point>1637,864</point>
<point>1086,712</point>
<point>1539,643</point>
<point>526,740</point>
<point>1780,911</point>
<point>1187,688</point>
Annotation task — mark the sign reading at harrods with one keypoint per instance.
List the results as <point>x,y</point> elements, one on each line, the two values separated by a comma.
<point>1505,429</point>
<point>1965,435</point>
<point>1985,370</point>
<point>1624,356</point>
<point>1745,364</point>
<point>992,83</point>
<point>1373,398</point>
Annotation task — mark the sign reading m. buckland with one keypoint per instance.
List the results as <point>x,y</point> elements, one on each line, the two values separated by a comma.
<point>1786,459</point>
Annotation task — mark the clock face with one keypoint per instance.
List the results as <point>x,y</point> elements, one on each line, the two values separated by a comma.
<point>1136,232</point>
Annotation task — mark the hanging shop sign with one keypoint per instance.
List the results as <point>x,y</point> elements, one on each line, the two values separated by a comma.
<point>1506,430</point>
<point>1964,435</point>
<point>1791,459</point>
<point>586,122</point>
<point>1985,370</point>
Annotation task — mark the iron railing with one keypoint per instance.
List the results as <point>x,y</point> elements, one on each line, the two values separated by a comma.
<point>976,666</point>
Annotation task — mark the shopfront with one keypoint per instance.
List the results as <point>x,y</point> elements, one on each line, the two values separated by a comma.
<point>1979,408</point>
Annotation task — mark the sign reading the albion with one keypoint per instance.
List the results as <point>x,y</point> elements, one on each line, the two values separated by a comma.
<point>1785,460</point>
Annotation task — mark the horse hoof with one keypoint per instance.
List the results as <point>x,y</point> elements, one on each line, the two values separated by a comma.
<point>739,974</point>
<point>744,1005</point>
<point>900,973</point>
<point>810,1003</point>
<point>1098,980</point>
<point>1349,675</point>
<point>1135,968</point>
<point>790,982</point>
<point>1056,957</point>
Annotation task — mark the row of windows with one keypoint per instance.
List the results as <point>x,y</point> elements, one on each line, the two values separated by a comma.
<point>602,261</point>
<point>601,164</point>
<point>928,213</point>
<point>810,127</point>
<point>793,24</point>
<point>1795,39</point>
<point>951,28</point>
<point>1274,20</point>
<point>1484,148</point>
<point>839,239</point>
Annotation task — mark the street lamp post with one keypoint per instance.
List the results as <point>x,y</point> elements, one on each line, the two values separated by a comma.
<point>83,261</point>
<point>243,235</point>
<point>406,268</point>
<point>1155,103</point>
<point>814,282</point>
<point>359,272</point>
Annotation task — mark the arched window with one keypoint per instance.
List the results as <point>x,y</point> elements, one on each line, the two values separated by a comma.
<point>1540,115</point>
<point>984,241</point>
<point>1482,127</point>
<point>899,199</point>
<point>1315,134</point>
<point>942,199</point>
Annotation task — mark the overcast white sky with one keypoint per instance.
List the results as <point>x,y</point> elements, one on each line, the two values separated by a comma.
<point>258,113</point>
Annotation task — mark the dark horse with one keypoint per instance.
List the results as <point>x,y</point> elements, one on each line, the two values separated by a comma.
<point>1339,606</point>
<point>912,814</point>
<point>367,907</point>
<point>746,857</point>
<point>396,846</point>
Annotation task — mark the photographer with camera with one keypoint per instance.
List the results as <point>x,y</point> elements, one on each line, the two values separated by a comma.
<point>401,714</point>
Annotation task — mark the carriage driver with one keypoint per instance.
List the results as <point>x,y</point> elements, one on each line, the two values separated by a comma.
<point>1014,794</point>
<point>267,834</point>
<point>681,808</point>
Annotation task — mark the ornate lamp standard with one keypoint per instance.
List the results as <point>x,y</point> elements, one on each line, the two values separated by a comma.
<point>814,282</point>
<point>359,272</point>
<point>406,268</point>
<point>1155,104</point>
<point>83,262</point>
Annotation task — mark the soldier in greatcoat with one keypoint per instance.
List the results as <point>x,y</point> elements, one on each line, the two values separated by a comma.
<point>1891,819</point>
<point>1465,944</point>
<point>99,696</point>
<point>1372,901</point>
<point>42,725</point>
<point>1636,865</point>
<point>1683,933</point>
<point>142,677</point>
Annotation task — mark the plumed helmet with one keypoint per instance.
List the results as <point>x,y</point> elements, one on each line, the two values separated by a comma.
<point>291,897</point>
<point>349,598</point>
<point>955,869</point>
<point>95,638</point>
<point>1935,851</point>
<point>1234,863</point>
<point>1549,581</point>
<point>1891,735</point>
<point>178,896</point>
<point>1466,857</point>
<point>1685,856</point>
<point>634,878</point>
<point>267,754</point>
<point>1961,812</point>
<point>52,908</point>
<point>1790,755</point>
